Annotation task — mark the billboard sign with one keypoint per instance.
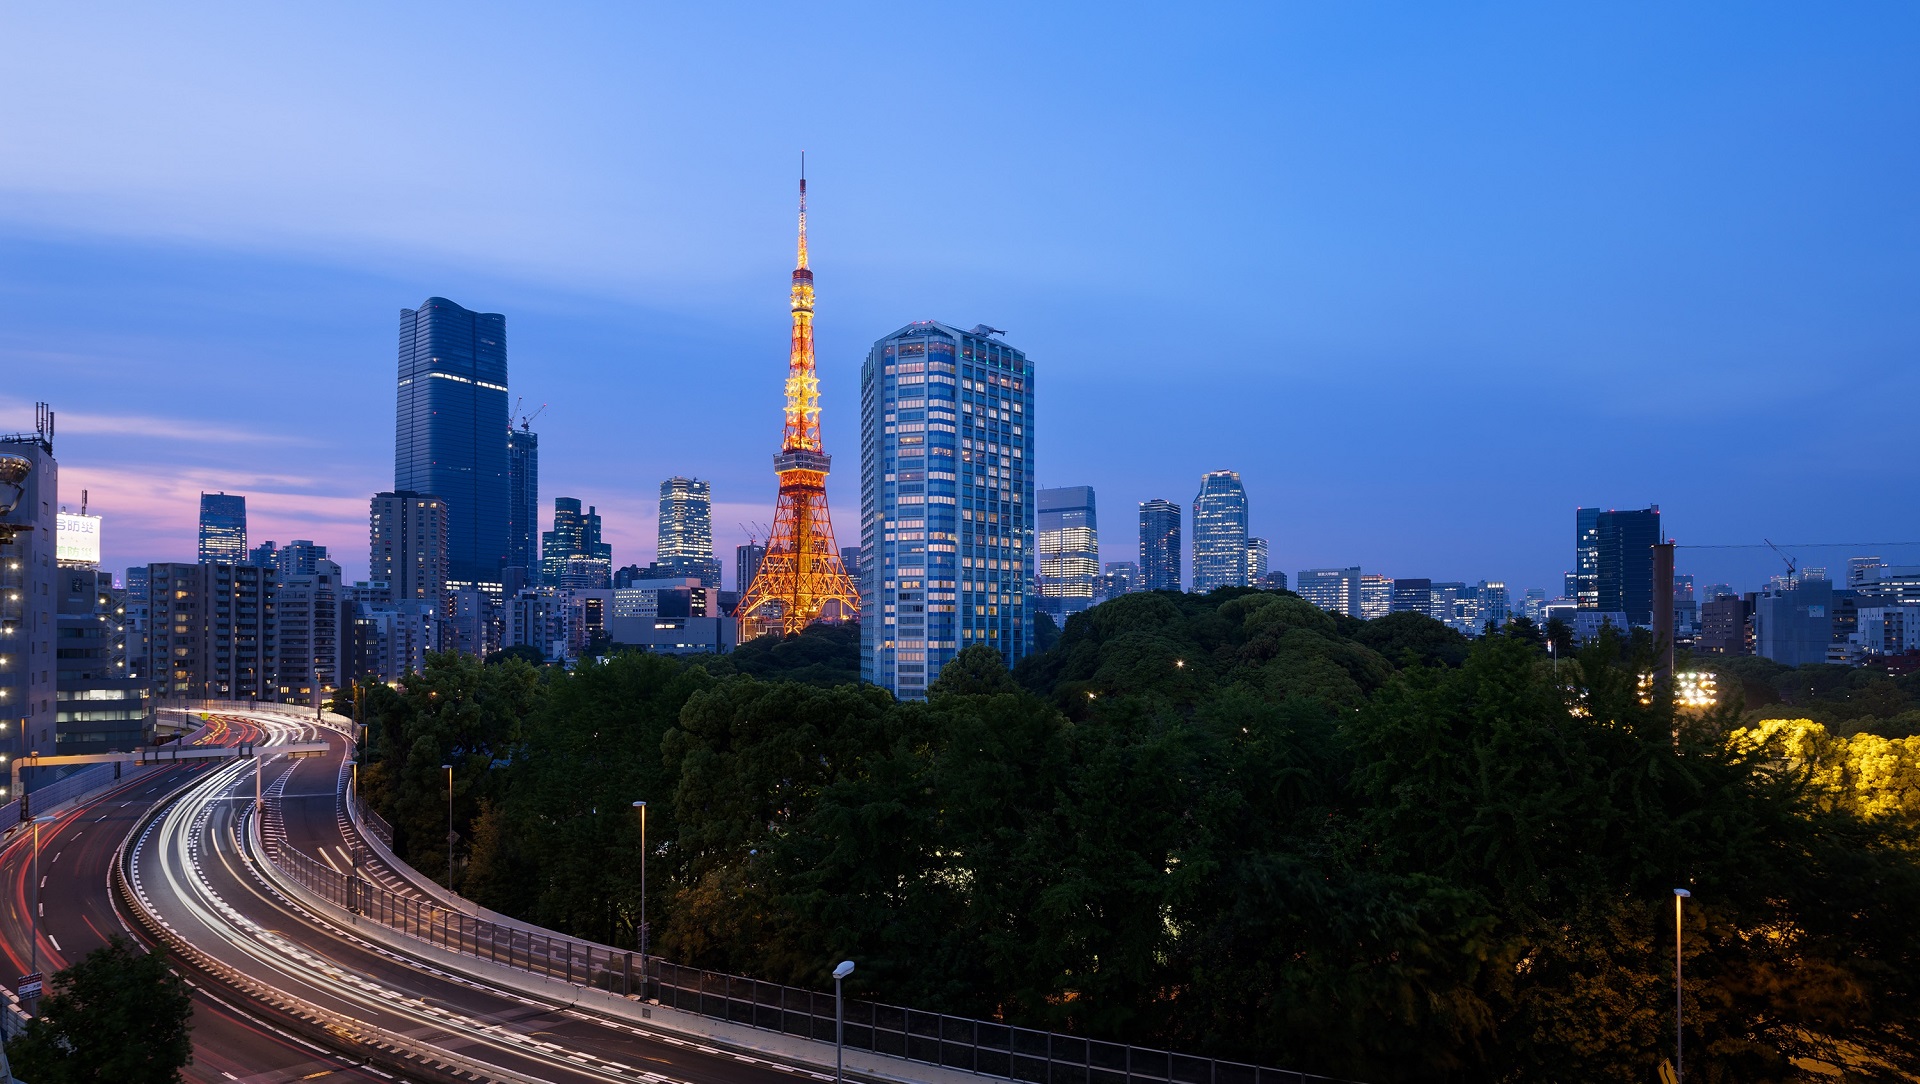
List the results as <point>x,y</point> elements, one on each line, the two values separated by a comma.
<point>77,539</point>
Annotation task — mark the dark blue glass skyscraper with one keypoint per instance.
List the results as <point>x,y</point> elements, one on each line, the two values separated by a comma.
<point>450,436</point>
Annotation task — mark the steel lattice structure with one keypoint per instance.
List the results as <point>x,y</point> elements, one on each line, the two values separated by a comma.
<point>801,579</point>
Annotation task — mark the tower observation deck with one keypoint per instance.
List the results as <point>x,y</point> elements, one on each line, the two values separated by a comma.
<point>801,579</point>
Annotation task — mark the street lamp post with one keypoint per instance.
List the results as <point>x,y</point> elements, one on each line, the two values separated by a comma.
<point>33,953</point>
<point>449,769</point>
<point>1680,895</point>
<point>644,939</point>
<point>839,1019</point>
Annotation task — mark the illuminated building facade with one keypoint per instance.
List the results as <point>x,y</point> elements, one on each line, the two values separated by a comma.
<point>1159,545</point>
<point>1069,546</point>
<point>450,430</point>
<point>1583,583</point>
<point>1219,532</point>
<point>1257,563</point>
<point>572,555</point>
<point>213,632</point>
<point>223,529</point>
<point>100,703</point>
<point>684,544</point>
<point>29,598</point>
<point>1120,578</point>
<point>307,607</point>
<point>947,509</point>
<point>1335,589</point>
<point>801,578</point>
<point>523,509</point>
<point>1376,596</point>
<point>1412,595</point>
<point>407,551</point>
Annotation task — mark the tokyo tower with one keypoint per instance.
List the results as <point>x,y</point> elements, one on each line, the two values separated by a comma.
<point>801,579</point>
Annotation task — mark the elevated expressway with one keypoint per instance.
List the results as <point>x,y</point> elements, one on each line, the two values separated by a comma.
<point>191,874</point>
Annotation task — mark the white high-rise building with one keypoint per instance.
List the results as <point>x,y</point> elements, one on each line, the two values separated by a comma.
<point>1219,532</point>
<point>947,510</point>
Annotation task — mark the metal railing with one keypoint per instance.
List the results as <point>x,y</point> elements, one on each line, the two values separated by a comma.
<point>954,1042</point>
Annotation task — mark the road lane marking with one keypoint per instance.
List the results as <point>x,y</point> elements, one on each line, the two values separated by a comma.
<point>56,943</point>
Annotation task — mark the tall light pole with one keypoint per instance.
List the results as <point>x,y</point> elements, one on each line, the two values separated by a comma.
<point>1680,896</point>
<point>449,769</point>
<point>839,1019</point>
<point>33,953</point>
<point>644,939</point>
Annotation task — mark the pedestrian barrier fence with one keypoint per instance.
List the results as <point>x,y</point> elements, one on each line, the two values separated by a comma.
<point>975,1046</point>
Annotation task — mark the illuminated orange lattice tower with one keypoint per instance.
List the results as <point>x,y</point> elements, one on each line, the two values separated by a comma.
<point>801,579</point>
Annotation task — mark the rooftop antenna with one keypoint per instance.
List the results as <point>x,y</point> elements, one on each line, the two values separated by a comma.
<point>83,502</point>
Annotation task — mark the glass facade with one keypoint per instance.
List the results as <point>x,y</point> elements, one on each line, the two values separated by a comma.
<point>451,425</point>
<point>947,511</point>
<point>1159,545</point>
<point>1583,583</point>
<point>572,555</point>
<point>1336,589</point>
<point>1069,543</point>
<point>1219,532</point>
<point>223,529</point>
<point>523,504</point>
<point>1623,563</point>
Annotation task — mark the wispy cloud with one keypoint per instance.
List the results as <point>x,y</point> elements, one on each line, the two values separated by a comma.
<point>87,423</point>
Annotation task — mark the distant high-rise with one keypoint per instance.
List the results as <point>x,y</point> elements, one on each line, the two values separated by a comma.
<point>1493,605</point>
<point>1623,559</point>
<point>523,507</point>
<point>746,563</point>
<point>572,555</point>
<point>407,551</point>
<point>1159,545</point>
<point>684,543</point>
<point>199,658</point>
<point>29,585</point>
<point>299,557</point>
<point>1069,543</point>
<point>223,529</point>
<point>1257,563</point>
<point>1336,589</point>
<point>1411,595</point>
<point>1584,581</point>
<point>1120,578</point>
<point>1376,596</point>
<point>450,429</point>
<point>1219,532</point>
<point>948,518</point>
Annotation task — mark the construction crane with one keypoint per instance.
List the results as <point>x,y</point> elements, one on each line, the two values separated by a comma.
<point>1791,566</point>
<point>526,423</point>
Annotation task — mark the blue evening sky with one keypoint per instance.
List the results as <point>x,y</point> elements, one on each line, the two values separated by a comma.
<point>1429,276</point>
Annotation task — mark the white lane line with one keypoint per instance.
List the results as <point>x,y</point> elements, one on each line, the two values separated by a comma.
<point>56,943</point>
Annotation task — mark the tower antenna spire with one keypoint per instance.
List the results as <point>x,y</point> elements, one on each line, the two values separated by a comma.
<point>801,265</point>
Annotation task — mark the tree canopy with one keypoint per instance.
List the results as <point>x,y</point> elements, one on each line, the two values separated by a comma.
<point>1231,824</point>
<point>118,1015</point>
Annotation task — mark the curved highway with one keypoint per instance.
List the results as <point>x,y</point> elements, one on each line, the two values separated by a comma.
<point>76,857</point>
<point>189,866</point>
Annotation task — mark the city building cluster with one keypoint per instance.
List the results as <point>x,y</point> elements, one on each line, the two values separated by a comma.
<point>957,546</point>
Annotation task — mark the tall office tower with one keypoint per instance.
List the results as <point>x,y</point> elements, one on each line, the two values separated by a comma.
<point>1623,582</point>
<point>947,501</point>
<point>1376,596</point>
<point>1495,606</point>
<point>450,430</point>
<point>264,555</point>
<point>684,544</point>
<point>223,529</point>
<point>1069,544</point>
<point>746,564</point>
<point>1219,532</point>
<point>1532,604</point>
<point>1336,589</point>
<point>523,508</point>
<point>214,632</point>
<point>802,579</point>
<point>1412,596</point>
<point>29,532</point>
<point>307,607</point>
<point>299,557</point>
<point>572,555</point>
<point>407,551</point>
<point>100,705</point>
<point>1159,545</point>
<point>1257,563</point>
<point>1584,582</point>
